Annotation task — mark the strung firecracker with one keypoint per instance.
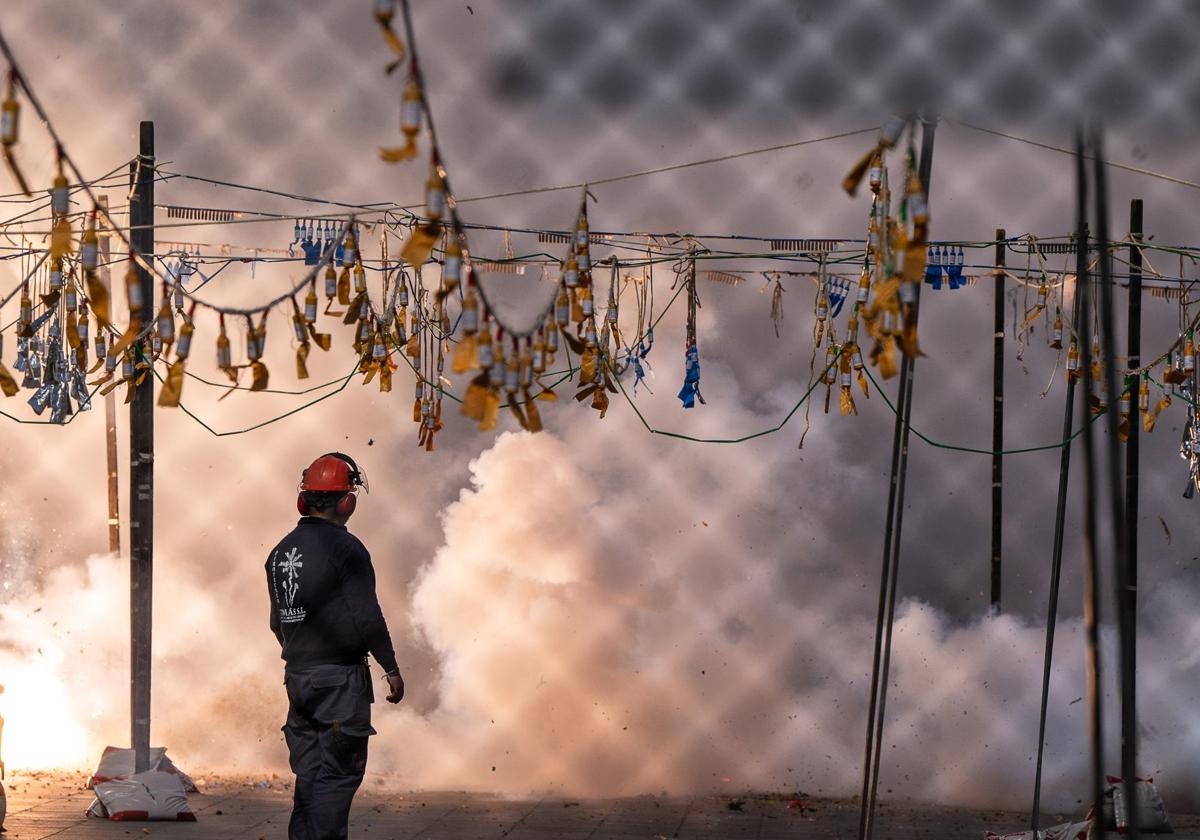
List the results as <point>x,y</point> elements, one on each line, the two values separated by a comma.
<point>466,352</point>
<point>300,326</point>
<point>310,304</point>
<point>60,192</point>
<point>412,108</point>
<point>473,401</point>
<point>10,112</point>
<point>343,281</point>
<point>224,353</point>
<point>257,341</point>
<point>854,352</point>
<point>78,333</point>
<point>1056,332</point>
<point>56,278</point>
<point>914,210</point>
<point>864,285</point>
<point>133,293</point>
<point>8,384</point>
<point>533,418</point>
<point>1073,361</point>
<point>25,313</point>
<point>331,286</point>
<point>822,313</point>
<point>60,229</point>
<point>845,368</point>
<point>491,400</point>
<point>421,240</point>
<point>583,256</point>
<point>172,387</point>
<point>1149,418</point>
<point>1189,354</point>
<point>1173,371</point>
<point>384,13</point>
<point>953,264</point>
<point>401,321</point>
<point>889,134</point>
<point>414,336</point>
<point>690,392</point>
<point>451,266</point>
<point>1124,404</point>
<point>933,269</point>
<point>562,309</point>
<point>166,326</point>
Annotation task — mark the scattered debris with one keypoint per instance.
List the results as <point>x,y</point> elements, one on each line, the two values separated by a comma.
<point>1166,530</point>
<point>735,804</point>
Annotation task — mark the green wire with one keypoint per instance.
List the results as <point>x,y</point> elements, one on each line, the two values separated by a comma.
<point>956,448</point>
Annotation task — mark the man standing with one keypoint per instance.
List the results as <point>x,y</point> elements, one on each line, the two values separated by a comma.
<point>326,616</point>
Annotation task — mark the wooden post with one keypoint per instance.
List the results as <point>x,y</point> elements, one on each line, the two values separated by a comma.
<point>141,463</point>
<point>110,402</point>
<point>998,422</point>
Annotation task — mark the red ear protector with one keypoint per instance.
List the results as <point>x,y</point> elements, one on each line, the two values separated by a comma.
<point>333,472</point>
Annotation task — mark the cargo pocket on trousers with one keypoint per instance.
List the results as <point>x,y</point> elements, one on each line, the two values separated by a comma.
<point>346,748</point>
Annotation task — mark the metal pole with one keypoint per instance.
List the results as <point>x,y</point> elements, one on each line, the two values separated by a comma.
<point>1091,591</point>
<point>1132,455</point>
<point>1060,519</point>
<point>110,402</point>
<point>998,422</point>
<point>892,529</point>
<point>141,465</point>
<point>1116,495</point>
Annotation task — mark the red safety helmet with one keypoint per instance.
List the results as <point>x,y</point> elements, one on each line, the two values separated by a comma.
<point>333,472</point>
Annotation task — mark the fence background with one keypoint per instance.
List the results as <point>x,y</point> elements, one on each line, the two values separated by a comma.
<point>597,608</point>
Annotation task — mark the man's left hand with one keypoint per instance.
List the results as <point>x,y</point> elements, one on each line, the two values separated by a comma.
<point>395,687</point>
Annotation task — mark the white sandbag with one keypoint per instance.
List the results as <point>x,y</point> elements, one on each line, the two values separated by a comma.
<point>153,795</point>
<point>117,763</point>
<point>1066,831</point>
<point>1152,812</point>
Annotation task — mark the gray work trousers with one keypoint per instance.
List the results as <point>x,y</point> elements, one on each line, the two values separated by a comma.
<point>328,723</point>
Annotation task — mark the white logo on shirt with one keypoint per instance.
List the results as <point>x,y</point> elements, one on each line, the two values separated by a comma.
<point>291,566</point>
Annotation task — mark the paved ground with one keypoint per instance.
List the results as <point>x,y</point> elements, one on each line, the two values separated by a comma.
<point>51,805</point>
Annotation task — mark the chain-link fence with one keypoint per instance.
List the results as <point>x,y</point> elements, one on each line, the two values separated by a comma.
<point>598,608</point>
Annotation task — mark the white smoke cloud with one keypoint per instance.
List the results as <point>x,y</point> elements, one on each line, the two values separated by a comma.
<point>586,654</point>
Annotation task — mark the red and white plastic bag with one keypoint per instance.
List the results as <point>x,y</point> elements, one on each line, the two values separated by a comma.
<point>153,795</point>
<point>1081,830</point>
<point>117,763</point>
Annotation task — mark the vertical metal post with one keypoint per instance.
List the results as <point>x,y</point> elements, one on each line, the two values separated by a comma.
<point>877,712</point>
<point>998,422</point>
<point>1060,521</point>
<point>141,464</point>
<point>1132,455</point>
<point>110,400</point>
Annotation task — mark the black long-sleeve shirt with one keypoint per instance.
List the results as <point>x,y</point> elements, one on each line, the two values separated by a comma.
<point>324,609</point>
